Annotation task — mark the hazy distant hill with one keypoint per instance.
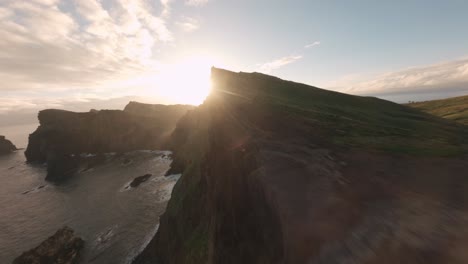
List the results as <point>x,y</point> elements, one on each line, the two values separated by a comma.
<point>455,108</point>
<point>281,172</point>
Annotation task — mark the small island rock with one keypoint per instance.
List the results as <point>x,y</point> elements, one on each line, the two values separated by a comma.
<point>139,180</point>
<point>61,248</point>
<point>6,146</point>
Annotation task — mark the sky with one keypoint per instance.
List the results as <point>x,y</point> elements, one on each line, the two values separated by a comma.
<point>82,54</point>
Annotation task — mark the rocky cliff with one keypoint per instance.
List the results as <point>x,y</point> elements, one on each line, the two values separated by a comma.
<point>62,135</point>
<point>281,172</point>
<point>6,146</point>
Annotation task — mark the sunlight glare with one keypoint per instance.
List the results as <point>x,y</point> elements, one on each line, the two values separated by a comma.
<point>187,82</point>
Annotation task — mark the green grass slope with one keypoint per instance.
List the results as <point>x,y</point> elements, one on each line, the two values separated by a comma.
<point>348,120</point>
<point>455,108</point>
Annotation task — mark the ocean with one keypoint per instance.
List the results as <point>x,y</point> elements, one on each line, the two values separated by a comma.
<point>18,134</point>
<point>115,220</point>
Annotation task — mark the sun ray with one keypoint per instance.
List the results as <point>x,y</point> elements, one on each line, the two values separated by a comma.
<point>187,82</point>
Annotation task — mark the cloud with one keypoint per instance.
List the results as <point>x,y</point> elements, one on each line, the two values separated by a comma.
<point>268,67</point>
<point>23,104</point>
<point>80,103</point>
<point>188,24</point>
<point>447,77</point>
<point>308,46</point>
<point>21,111</point>
<point>50,45</point>
<point>278,63</point>
<point>166,7</point>
<point>196,2</point>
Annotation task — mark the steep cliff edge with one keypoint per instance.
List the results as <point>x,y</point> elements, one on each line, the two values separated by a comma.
<point>6,146</point>
<point>62,134</point>
<point>280,172</point>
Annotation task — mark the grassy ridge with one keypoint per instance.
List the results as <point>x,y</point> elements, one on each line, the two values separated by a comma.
<point>363,122</point>
<point>455,108</point>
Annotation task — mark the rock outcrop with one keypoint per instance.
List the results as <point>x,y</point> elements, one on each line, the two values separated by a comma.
<point>62,135</point>
<point>280,172</point>
<point>139,180</point>
<point>6,146</point>
<point>61,248</point>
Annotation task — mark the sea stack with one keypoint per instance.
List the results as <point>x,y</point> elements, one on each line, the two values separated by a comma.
<point>6,146</point>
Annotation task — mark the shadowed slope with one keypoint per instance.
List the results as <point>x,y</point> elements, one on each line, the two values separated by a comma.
<point>280,172</point>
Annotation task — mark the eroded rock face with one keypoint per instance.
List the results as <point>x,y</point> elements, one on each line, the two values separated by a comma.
<point>62,134</point>
<point>61,248</point>
<point>6,146</point>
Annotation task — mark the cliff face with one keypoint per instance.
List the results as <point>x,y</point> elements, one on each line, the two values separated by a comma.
<point>165,114</point>
<point>6,146</point>
<point>63,133</point>
<point>280,172</point>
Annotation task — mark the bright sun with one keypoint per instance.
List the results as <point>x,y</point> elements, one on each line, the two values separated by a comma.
<point>186,82</point>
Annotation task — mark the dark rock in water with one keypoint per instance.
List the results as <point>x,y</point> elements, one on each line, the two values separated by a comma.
<point>61,248</point>
<point>6,146</point>
<point>139,180</point>
<point>61,167</point>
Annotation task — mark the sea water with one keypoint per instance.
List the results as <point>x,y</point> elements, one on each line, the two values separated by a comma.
<point>115,220</point>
